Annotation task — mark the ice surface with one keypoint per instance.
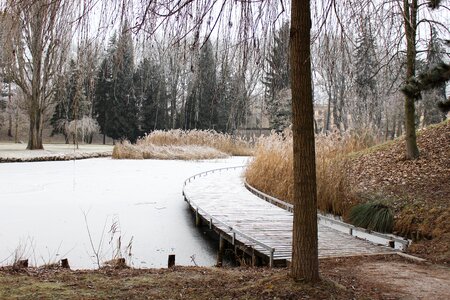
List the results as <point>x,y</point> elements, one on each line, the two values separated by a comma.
<point>42,206</point>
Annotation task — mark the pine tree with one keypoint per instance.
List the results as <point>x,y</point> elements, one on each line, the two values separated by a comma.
<point>63,109</point>
<point>123,117</point>
<point>231,104</point>
<point>72,101</point>
<point>368,108</point>
<point>116,105</point>
<point>104,90</point>
<point>430,99</point>
<point>152,96</point>
<point>276,80</point>
<point>201,104</point>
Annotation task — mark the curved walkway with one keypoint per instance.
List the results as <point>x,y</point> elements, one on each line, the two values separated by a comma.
<point>220,198</point>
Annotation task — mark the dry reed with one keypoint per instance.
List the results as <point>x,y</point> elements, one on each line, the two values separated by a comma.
<point>271,169</point>
<point>185,145</point>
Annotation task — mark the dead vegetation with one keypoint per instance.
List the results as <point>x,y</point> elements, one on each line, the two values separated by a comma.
<point>185,145</point>
<point>271,169</point>
<point>349,172</point>
<point>342,278</point>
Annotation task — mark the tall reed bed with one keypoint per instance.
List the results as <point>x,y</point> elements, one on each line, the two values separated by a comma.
<point>271,169</point>
<point>184,144</point>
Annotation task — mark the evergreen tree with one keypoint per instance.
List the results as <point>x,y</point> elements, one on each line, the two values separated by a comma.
<point>201,104</point>
<point>152,96</point>
<point>430,99</point>
<point>224,98</point>
<point>63,109</point>
<point>72,101</point>
<point>231,104</point>
<point>368,108</point>
<point>116,105</point>
<point>104,90</point>
<point>123,117</point>
<point>277,80</point>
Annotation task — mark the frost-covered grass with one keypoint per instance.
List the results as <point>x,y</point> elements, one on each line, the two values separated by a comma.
<point>271,169</point>
<point>126,150</point>
<point>186,145</point>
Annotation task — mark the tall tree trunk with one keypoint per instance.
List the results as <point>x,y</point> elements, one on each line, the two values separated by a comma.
<point>410,20</point>
<point>327,122</point>
<point>305,263</point>
<point>35,113</point>
<point>35,133</point>
<point>9,110</point>
<point>16,126</point>
<point>394,123</point>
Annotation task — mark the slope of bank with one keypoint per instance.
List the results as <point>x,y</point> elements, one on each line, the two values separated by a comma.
<point>418,191</point>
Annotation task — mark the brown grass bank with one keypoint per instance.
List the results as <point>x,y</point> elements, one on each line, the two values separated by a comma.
<point>351,169</point>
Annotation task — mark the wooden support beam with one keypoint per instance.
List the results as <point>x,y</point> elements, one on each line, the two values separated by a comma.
<point>198,219</point>
<point>65,263</point>
<point>171,261</point>
<point>221,251</point>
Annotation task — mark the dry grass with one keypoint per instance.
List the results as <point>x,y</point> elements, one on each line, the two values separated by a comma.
<point>186,145</point>
<point>271,169</point>
<point>125,150</point>
<point>342,278</point>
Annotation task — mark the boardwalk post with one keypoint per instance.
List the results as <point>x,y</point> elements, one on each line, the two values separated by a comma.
<point>171,261</point>
<point>253,257</point>
<point>221,251</point>
<point>271,257</point>
<point>65,263</point>
<point>198,220</point>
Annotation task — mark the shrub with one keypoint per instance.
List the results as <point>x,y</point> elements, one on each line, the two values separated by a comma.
<point>373,216</point>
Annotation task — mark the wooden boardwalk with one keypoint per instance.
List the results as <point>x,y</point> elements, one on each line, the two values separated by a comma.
<point>261,229</point>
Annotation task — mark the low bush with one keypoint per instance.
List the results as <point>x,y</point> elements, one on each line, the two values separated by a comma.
<point>373,216</point>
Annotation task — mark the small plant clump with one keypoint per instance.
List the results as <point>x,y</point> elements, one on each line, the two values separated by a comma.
<point>373,216</point>
<point>184,144</point>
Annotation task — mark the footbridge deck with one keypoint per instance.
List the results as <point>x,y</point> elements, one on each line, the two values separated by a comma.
<point>264,231</point>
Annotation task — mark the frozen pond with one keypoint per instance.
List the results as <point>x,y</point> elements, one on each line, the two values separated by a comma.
<point>43,207</point>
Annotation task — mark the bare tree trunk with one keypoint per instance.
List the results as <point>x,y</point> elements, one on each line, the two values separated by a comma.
<point>16,129</point>
<point>9,110</point>
<point>305,263</point>
<point>394,123</point>
<point>35,132</point>
<point>327,126</point>
<point>410,20</point>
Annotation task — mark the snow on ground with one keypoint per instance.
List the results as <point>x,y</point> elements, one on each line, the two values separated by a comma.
<point>42,207</point>
<point>18,152</point>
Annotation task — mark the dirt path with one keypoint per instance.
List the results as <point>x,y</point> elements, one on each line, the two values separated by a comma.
<point>414,281</point>
<point>393,277</point>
